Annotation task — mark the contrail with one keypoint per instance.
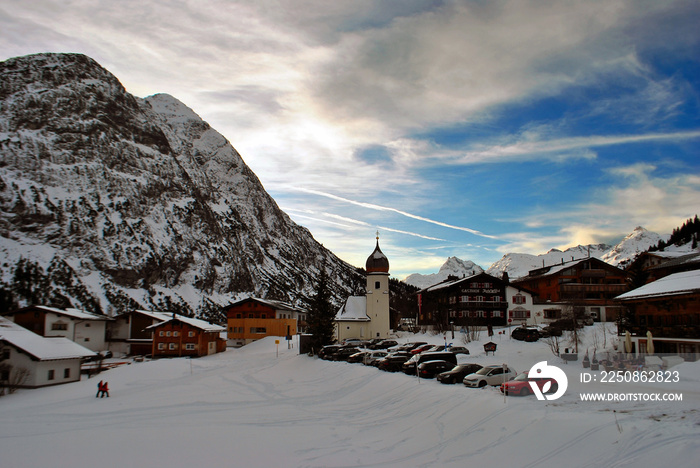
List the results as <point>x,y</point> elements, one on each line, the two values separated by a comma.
<point>372,206</point>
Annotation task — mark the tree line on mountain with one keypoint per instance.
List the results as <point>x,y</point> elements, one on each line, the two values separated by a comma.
<point>688,232</point>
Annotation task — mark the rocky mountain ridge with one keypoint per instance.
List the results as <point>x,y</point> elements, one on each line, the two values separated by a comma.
<point>519,264</point>
<point>110,202</point>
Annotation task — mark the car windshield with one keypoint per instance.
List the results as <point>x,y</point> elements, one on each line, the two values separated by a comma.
<point>521,377</point>
<point>484,370</point>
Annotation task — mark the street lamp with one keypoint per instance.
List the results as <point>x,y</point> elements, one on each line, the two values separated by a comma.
<point>452,327</point>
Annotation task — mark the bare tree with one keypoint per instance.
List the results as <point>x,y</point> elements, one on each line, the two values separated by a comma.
<point>553,343</point>
<point>12,378</point>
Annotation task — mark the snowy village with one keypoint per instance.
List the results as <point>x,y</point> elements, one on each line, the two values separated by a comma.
<point>349,234</point>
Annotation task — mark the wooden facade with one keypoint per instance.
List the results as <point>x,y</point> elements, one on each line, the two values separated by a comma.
<point>669,309</point>
<point>251,319</point>
<point>478,300</point>
<point>589,283</point>
<point>183,336</point>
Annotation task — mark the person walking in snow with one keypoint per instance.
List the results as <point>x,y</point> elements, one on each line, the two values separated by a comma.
<point>105,390</point>
<point>99,389</point>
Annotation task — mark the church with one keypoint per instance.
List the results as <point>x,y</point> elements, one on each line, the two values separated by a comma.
<point>366,317</point>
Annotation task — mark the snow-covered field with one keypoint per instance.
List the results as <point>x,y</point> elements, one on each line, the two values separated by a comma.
<point>253,407</point>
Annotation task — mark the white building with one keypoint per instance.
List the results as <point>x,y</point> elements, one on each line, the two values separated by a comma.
<point>83,328</point>
<point>367,316</point>
<point>29,360</point>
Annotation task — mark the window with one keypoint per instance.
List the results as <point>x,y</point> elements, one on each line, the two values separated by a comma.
<point>160,333</point>
<point>189,346</point>
<point>190,333</point>
<point>377,285</point>
<point>176,333</point>
<point>520,314</point>
<point>172,346</point>
<point>161,346</point>
<point>167,333</point>
<point>66,373</point>
<point>519,299</point>
<point>59,326</point>
<point>239,315</point>
<point>464,299</point>
<point>258,330</point>
<point>87,339</point>
<point>87,325</point>
<point>51,374</point>
<point>497,313</point>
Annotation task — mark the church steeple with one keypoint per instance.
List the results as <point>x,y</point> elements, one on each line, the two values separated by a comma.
<point>377,262</point>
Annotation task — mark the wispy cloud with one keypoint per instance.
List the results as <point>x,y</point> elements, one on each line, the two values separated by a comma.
<point>373,206</point>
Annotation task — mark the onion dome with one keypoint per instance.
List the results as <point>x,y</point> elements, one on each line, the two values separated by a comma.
<point>377,262</point>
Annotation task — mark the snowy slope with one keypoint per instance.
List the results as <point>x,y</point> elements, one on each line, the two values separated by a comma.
<point>632,245</point>
<point>253,407</point>
<point>452,267</point>
<point>109,202</point>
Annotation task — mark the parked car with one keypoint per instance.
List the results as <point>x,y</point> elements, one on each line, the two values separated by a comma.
<point>421,348</point>
<point>458,350</point>
<point>384,344</point>
<point>409,366</point>
<point>489,375</point>
<point>373,357</point>
<point>407,346</point>
<point>520,385</point>
<point>352,342</point>
<point>430,369</point>
<point>458,373</point>
<point>358,357</point>
<point>525,334</point>
<point>392,362</point>
<point>549,331</point>
<point>344,353</point>
<point>326,351</point>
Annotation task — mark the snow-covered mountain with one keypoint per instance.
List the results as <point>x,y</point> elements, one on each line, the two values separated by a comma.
<point>452,267</point>
<point>109,202</point>
<point>632,245</point>
<point>620,255</point>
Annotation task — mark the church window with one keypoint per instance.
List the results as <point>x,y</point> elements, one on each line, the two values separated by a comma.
<point>377,285</point>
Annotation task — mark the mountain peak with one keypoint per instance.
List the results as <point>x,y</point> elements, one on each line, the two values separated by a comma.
<point>453,266</point>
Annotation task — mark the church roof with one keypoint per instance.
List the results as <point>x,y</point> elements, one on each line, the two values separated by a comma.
<point>377,262</point>
<point>354,310</point>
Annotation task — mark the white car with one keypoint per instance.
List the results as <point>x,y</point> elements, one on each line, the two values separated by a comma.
<point>490,375</point>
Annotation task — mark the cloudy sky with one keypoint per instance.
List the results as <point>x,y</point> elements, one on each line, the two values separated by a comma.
<point>465,128</point>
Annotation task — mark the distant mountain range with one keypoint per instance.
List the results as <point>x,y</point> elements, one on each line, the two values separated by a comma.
<point>110,202</point>
<point>519,264</point>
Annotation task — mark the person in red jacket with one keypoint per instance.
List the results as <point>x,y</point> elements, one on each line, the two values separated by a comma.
<point>105,390</point>
<point>99,389</point>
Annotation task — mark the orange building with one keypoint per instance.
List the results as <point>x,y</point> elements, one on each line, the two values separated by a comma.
<point>254,318</point>
<point>184,336</point>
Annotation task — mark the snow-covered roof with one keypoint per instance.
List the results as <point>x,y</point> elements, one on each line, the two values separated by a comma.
<point>43,349</point>
<point>193,322</point>
<point>686,282</point>
<point>678,260</point>
<point>277,305</point>
<point>354,310</point>
<point>160,316</point>
<point>74,313</point>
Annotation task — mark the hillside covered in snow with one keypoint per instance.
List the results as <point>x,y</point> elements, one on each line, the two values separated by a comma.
<point>110,202</point>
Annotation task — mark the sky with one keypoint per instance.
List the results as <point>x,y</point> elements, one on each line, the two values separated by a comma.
<point>469,129</point>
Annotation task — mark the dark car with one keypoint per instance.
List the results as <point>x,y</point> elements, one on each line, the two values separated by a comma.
<point>458,350</point>
<point>344,353</point>
<point>327,351</point>
<point>358,357</point>
<point>549,330</point>
<point>410,346</point>
<point>525,334</point>
<point>430,369</point>
<point>393,362</point>
<point>458,373</point>
<point>409,366</point>
<point>384,344</point>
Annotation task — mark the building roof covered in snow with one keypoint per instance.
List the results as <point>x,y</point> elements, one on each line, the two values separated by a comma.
<point>687,282</point>
<point>193,322</point>
<point>40,348</point>
<point>354,310</point>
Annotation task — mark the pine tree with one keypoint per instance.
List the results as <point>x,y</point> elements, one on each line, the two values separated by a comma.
<point>320,323</point>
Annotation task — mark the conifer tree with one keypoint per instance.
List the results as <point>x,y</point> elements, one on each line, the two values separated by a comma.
<point>320,323</point>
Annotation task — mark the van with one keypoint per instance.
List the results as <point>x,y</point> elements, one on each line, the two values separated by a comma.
<point>409,367</point>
